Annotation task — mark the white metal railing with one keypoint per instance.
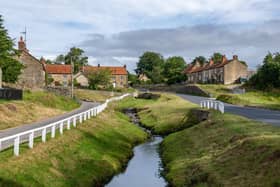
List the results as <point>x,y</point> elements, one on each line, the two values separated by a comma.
<point>29,135</point>
<point>213,104</point>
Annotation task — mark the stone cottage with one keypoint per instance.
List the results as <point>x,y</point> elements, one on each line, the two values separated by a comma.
<point>119,75</point>
<point>33,74</point>
<point>58,74</point>
<point>224,72</point>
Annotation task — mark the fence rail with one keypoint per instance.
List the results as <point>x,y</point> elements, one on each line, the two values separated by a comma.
<point>29,135</point>
<point>213,104</point>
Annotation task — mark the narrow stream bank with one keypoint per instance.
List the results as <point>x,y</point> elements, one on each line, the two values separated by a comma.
<point>144,167</point>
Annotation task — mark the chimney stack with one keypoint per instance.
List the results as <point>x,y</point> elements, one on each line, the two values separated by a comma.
<point>235,57</point>
<point>224,60</point>
<point>211,62</point>
<point>98,65</point>
<point>124,66</point>
<point>22,45</point>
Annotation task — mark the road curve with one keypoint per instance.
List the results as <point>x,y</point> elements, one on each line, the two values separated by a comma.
<point>84,106</point>
<point>264,115</point>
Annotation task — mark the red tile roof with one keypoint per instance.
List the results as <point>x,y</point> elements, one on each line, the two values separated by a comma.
<point>193,69</point>
<point>58,69</point>
<point>114,70</point>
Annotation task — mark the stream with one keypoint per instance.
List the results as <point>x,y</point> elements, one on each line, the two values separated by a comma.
<point>143,170</point>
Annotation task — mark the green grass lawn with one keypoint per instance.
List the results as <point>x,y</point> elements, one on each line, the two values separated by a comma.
<point>255,98</point>
<point>164,115</point>
<point>88,155</point>
<point>226,150</point>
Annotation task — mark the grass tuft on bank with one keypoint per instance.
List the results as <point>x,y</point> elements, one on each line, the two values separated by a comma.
<point>226,150</point>
<point>88,155</point>
<point>164,115</point>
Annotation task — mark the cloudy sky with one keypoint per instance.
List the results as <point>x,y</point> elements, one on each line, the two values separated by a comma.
<point>117,32</point>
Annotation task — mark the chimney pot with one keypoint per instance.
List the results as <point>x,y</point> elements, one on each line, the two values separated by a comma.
<point>21,45</point>
<point>98,65</point>
<point>124,66</point>
<point>235,57</point>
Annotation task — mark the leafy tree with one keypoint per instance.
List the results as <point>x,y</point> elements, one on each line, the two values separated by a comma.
<point>201,59</point>
<point>76,56</point>
<point>173,70</point>
<point>151,64</point>
<point>99,77</point>
<point>217,57</point>
<point>60,59</point>
<point>10,66</point>
<point>133,79</point>
<point>268,75</point>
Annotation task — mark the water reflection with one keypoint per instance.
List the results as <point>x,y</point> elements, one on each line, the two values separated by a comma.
<point>143,169</point>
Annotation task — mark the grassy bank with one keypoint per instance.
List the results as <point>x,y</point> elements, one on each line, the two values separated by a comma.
<point>85,156</point>
<point>270,100</point>
<point>35,106</point>
<point>226,150</point>
<point>164,115</point>
<point>255,98</point>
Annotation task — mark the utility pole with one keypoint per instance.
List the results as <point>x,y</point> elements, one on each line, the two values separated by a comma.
<point>72,78</point>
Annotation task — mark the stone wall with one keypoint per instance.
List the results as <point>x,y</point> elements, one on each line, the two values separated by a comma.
<point>178,88</point>
<point>64,91</point>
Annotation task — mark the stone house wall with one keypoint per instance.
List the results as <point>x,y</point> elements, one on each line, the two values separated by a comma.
<point>60,79</point>
<point>120,80</point>
<point>82,80</point>
<point>33,74</point>
<point>233,71</point>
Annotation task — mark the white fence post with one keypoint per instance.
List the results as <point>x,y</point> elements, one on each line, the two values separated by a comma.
<point>53,131</point>
<point>16,146</point>
<point>81,118</point>
<point>85,116</point>
<point>74,121</point>
<point>44,132</point>
<point>213,104</point>
<point>61,127</point>
<point>0,146</point>
<point>31,140</point>
<point>68,124</point>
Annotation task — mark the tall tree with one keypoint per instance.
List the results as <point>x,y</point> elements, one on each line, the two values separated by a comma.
<point>217,57</point>
<point>201,59</point>
<point>99,78</point>
<point>60,59</point>
<point>76,56</point>
<point>151,64</point>
<point>11,68</point>
<point>268,75</point>
<point>173,70</point>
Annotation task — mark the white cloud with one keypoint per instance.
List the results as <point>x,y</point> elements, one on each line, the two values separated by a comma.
<point>56,25</point>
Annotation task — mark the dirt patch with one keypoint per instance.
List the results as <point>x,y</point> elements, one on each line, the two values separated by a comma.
<point>11,107</point>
